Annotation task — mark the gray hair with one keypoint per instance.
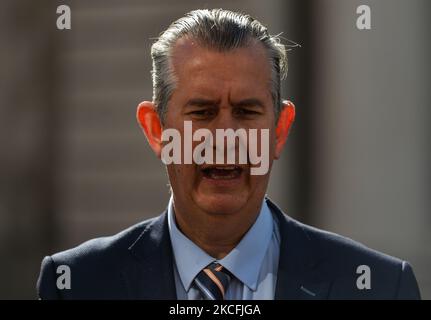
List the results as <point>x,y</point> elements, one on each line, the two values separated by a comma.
<point>220,30</point>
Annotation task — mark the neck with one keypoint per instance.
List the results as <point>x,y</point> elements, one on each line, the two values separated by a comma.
<point>216,234</point>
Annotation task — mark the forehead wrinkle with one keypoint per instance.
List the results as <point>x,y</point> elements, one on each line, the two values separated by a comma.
<point>186,47</point>
<point>187,56</point>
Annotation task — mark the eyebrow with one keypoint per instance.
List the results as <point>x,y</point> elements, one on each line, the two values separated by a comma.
<point>251,102</point>
<point>199,102</point>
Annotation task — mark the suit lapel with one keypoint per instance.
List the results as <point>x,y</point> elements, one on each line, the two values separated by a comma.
<point>300,274</point>
<point>151,276</point>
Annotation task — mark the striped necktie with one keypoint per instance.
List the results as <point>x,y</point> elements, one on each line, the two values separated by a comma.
<point>213,281</point>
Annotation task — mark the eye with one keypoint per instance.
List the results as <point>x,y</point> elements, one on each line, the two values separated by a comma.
<point>246,112</point>
<point>202,113</point>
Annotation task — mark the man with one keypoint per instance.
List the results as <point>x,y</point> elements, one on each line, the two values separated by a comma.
<point>220,237</point>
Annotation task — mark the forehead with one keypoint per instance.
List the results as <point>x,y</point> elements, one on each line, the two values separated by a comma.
<point>240,70</point>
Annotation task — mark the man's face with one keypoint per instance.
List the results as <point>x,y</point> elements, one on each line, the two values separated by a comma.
<point>220,90</point>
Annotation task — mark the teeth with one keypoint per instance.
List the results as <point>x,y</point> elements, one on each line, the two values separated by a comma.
<point>229,175</point>
<point>226,168</point>
<point>222,172</point>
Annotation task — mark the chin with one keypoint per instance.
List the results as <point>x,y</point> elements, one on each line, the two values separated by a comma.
<point>221,203</point>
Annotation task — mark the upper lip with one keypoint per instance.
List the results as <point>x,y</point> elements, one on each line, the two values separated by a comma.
<point>222,166</point>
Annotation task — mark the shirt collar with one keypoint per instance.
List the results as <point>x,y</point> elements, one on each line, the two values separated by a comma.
<point>244,261</point>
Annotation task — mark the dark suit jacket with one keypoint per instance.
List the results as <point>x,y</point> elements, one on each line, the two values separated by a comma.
<point>137,263</point>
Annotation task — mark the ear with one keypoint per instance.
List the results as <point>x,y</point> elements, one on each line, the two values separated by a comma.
<point>150,123</point>
<point>285,121</point>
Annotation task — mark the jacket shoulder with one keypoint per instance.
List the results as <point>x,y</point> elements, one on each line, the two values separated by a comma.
<point>95,267</point>
<point>102,248</point>
<point>337,247</point>
<point>350,264</point>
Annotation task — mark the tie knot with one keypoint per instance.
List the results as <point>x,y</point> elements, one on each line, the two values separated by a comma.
<point>213,281</point>
<point>215,266</point>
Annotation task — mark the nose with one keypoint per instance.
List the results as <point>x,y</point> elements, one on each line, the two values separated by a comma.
<point>225,119</point>
<point>229,148</point>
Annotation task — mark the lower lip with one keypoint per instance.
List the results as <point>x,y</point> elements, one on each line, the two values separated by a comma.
<point>224,182</point>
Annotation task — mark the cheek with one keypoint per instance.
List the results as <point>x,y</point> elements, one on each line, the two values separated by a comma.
<point>272,143</point>
<point>181,174</point>
<point>268,143</point>
<point>175,174</point>
<point>259,183</point>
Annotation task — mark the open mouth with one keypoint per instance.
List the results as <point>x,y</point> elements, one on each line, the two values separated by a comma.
<point>226,172</point>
